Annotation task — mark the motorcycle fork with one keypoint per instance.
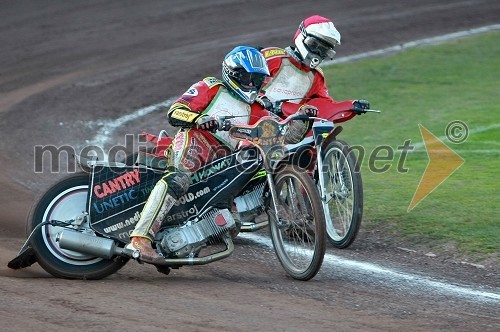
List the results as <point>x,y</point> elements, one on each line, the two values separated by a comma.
<point>274,197</point>
<point>292,196</point>
<point>338,182</point>
<point>321,141</point>
<point>319,161</point>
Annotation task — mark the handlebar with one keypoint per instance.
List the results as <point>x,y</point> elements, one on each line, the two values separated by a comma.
<point>225,124</point>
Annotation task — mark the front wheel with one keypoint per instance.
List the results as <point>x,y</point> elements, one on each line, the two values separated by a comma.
<point>65,201</point>
<point>298,234</point>
<point>343,193</point>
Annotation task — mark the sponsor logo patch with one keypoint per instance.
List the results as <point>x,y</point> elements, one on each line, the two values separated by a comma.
<point>191,92</point>
<point>207,172</point>
<point>117,184</point>
<point>128,222</point>
<point>184,115</point>
<point>273,52</point>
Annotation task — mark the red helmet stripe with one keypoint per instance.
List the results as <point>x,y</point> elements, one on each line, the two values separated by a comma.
<point>311,20</point>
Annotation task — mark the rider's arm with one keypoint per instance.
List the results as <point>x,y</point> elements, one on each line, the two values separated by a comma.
<point>336,111</point>
<point>186,110</point>
<point>181,115</point>
<point>328,108</point>
<point>317,96</point>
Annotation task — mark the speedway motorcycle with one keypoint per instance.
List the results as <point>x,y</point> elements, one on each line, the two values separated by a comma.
<point>80,227</point>
<point>335,169</point>
<point>337,174</point>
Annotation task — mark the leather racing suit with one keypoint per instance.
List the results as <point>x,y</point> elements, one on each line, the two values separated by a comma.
<point>290,79</point>
<point>193,147</point>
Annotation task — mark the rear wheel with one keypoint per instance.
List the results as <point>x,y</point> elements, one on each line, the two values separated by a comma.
<point>343,204</point>
<point>299,234</point>
<point>65,201</point>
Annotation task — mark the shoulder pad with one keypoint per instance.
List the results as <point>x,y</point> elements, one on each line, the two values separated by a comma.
<point>212,81</point>
<point>272,52</point>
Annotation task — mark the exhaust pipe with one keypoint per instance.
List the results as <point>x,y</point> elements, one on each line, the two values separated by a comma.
<point>106,248</point>
<point>91,245</point>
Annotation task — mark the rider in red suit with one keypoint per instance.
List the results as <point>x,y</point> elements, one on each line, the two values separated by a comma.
<point>201,104</point>
<point>295,73</point>
<point>198,141</point>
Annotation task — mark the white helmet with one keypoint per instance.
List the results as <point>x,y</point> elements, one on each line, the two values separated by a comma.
<point>316,39</point>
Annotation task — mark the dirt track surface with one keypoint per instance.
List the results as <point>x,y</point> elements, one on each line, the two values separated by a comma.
<point>66,68</point>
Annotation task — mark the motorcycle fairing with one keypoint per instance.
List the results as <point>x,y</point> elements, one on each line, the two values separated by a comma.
<point>117,195</point>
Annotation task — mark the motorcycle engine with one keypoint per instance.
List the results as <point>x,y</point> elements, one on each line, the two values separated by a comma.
<point>250,204</point>
<point>187,239</point>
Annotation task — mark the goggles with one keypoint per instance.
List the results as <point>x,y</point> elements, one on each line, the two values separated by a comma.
<point>319,47</point>
<point>249,79</point>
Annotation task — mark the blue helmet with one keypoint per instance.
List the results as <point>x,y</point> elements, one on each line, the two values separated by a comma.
<point>244,70</point>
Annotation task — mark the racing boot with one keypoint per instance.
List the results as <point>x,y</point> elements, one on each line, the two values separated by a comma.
<point>147,253</point>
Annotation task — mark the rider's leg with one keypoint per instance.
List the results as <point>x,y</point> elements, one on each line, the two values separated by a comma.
<point>189,150</point>
<point>165,193</point>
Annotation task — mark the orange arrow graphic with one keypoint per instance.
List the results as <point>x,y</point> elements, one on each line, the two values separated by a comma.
<point>442,163</point>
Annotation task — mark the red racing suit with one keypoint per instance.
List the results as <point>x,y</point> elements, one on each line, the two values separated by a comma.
<point>192,147</point>
<point>290,79</point>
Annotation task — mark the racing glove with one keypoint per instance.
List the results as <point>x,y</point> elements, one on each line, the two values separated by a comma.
<point>265,102</point>
<point>308,110</point>
<point>360,105</point>
<point>207,123</point>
